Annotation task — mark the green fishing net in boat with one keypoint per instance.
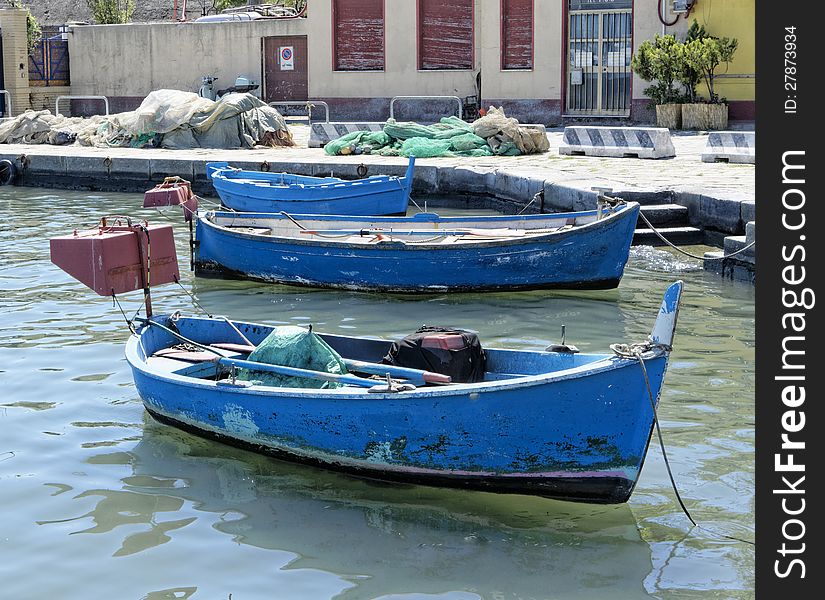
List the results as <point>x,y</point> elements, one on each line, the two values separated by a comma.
<point>292,346</point>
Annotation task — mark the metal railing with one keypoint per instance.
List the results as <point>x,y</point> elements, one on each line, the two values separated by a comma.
<point>456,98</point>
<point>7,110</point>
<point>59,98</point>
<point>309,104</point>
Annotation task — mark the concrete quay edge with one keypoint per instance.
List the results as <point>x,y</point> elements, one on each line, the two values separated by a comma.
<point>510,186</point>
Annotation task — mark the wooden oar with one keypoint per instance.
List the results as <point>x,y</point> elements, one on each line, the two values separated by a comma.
<point>296,372</point>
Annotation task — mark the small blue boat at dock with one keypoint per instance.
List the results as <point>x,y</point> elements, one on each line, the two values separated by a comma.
<point>555,423</point>
<point>260,191</point>
<point>421,253</point>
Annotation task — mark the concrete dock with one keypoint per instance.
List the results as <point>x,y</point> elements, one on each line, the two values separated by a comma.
<point>688,200</point>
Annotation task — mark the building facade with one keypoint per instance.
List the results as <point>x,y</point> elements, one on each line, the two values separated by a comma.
<point>544,61</point>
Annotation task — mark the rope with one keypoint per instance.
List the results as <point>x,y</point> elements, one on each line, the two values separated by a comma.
<point>686,253</point>
<point>129,323</point>
<point>533,199</point>
<point>194,300</point>
<point>181,337</point>
<point>288,216</point>
<point>635,351</point>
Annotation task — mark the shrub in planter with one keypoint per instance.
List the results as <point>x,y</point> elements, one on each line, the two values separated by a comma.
<point>660,61</point>
<point>704,55</point>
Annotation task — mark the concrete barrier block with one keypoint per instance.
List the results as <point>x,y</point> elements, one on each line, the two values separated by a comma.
<point>619,142</point>
<point>731,147</point>
<point>321,133</point>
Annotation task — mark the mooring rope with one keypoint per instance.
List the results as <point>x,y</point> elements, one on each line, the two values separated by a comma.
<point>635,351</point>
<point>685,252</point>
<point>116,302</point>
<point>192,297</point>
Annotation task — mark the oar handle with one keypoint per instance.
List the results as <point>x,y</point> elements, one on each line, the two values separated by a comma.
<point>417,376</point>
<point>296,372</point>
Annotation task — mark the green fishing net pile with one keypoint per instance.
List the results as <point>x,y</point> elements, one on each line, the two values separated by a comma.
<point>292,346</point>
<point>450,137</point>
<point>492,134</point>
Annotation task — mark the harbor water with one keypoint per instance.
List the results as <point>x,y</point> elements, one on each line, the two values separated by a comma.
<point>100,501</point>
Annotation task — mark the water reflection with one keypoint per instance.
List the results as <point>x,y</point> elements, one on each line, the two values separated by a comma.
<point>70,419</point>
<point>384,538</point>
<point>526,319</point>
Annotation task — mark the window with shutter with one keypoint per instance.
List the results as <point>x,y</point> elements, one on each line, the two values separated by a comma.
<point>445,34</point>
<point>358,35</point>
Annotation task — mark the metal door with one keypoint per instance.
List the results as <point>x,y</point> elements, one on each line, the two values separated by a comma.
<point>285,68</point>
<point>598,61</point>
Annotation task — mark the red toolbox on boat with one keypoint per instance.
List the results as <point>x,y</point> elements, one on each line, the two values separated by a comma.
<point>114,257</point>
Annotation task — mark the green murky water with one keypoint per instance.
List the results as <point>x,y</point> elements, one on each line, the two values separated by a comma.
<point>99,501</point>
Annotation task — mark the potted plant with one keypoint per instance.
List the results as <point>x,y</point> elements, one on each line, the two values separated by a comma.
<point>661,61</point>
<point>703,54</point>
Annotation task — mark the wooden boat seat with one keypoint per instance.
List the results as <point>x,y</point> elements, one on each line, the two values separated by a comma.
<point>197,356</point>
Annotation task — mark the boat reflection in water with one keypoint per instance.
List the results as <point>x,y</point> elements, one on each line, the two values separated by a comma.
<point>390,539</point>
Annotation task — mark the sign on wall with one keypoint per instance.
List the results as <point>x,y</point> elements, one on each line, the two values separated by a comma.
<point>286,58</point>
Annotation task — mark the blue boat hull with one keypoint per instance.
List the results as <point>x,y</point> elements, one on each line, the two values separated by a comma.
<point>565,426</point>
<point>255,191</point>
<point>587,257</point>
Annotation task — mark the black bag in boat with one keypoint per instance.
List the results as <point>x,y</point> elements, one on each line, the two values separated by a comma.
<point>452,352</point>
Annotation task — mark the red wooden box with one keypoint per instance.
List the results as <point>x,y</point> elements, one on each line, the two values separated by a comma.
<point>107,259</point>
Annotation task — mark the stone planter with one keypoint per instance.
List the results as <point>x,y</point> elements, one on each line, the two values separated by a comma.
<point>669,115</point>
<point>708,117</point>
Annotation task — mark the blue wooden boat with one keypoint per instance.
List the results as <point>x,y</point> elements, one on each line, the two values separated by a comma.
<point>259,191</point>
<point>421,253</point>
<point>551,423</point>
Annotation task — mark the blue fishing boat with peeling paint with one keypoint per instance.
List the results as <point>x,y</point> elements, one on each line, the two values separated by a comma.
<point>421,253</point>
<point>552,423</point>
<point>260,191</point>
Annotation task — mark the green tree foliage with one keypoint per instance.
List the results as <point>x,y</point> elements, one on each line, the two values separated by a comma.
<point>33,31</point>
<point>688,76</point>
<point>111,12</point>
<point>660,61</point>
<point>705,55</point>
<point>666,61</point>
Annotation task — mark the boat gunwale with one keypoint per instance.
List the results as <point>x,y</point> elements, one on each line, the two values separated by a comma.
<point>411,245</point>
<point>373,179</point>
<point>604,363</point>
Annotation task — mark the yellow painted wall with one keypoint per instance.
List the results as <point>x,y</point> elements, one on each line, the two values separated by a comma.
<point>15,59</point>
<point>734,19</point>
